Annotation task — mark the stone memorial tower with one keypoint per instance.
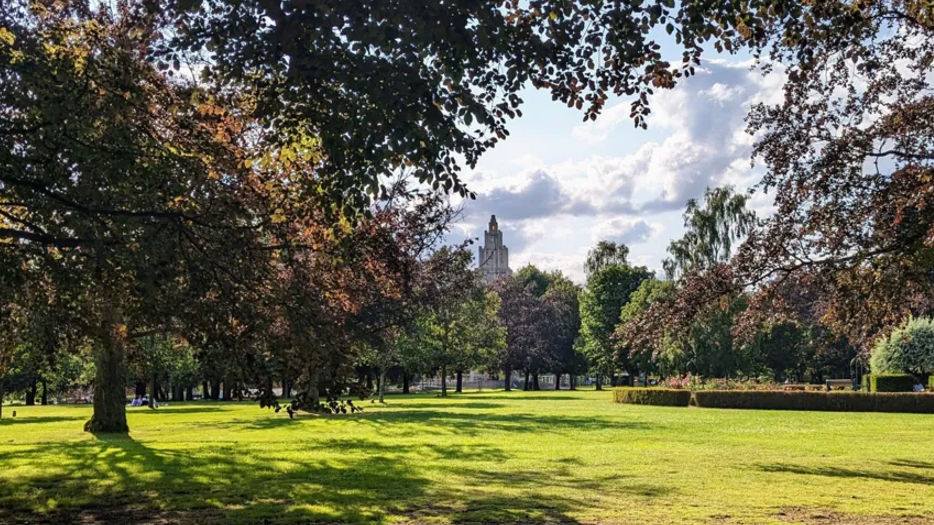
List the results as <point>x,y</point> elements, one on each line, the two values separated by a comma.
<point>494,256</point>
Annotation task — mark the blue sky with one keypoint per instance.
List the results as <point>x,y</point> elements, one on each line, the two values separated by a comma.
<point>558,185</point>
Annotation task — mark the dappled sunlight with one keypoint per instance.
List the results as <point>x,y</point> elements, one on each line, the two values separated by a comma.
<point>508,458</point>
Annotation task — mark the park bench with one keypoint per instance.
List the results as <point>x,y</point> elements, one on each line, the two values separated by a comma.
<point>832,383</point>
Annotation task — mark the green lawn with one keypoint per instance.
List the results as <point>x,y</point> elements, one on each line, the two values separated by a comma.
<point>489,457</point>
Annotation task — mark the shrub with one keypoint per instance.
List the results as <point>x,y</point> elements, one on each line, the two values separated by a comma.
<point>820,401</point>
<point>891,382</point>
<point>931,383</point>
<point>909,349</point>
<point>653,396</point>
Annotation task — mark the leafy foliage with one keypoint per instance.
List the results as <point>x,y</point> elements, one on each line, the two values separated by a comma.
<point>908,349</point>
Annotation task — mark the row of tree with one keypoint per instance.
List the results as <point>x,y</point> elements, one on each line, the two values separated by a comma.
<point>255,211</point>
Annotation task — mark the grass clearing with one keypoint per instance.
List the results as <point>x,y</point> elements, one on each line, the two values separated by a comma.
<point>484,457</point>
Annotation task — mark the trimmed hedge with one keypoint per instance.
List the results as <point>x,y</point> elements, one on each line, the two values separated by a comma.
<point>819,401</point>
<point>931,383</point>
<point>668,397</point>
<point>892,382</point>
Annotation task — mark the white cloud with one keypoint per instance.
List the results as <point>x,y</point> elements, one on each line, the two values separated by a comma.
<point>619,197</point>
<point>623,230</point>
<point>600,129</point>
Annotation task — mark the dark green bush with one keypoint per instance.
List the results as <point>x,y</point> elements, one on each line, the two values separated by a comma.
<point>892,382</point>
<point>653,396</point>
<point>821,401</point>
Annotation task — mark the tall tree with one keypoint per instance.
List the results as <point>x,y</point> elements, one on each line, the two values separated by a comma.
<point>711,230</point>
<point>606,253</point>
<point>608,290</point>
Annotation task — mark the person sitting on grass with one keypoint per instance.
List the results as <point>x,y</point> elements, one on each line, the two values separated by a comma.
<point>918,386</point>
<point>136,402</point>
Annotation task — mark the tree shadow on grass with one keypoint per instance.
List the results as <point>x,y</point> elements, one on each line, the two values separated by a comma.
<point>912,463</point>
<point>14,421</point>
<point>477,424</point>
<point>443,422</point>
<point>117,480</point>
<point>837,472</point>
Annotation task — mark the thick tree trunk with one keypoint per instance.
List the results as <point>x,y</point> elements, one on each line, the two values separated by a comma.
<point>460,382</point>
<point>444,381</point>
<point>204,390</point>
<point>405,382</point>
<point>110,382</point>
<point>313,390</point>
<point>189,393</point>
<point>286,388</point>
<point>140,388</point>
<point>507,381</point>
<point>535,382</point>
<point>369,379</point>
<point>572,385</point>
<point>382,385</point>
<point>215,390</point>
<point>228,389</point>
<point>45,393</point>
<point>599,381</point>
<point>525,386</point>
<point>557,381</point>
<point>31,394</point>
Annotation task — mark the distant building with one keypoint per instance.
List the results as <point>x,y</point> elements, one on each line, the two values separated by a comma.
<point>494,256</point>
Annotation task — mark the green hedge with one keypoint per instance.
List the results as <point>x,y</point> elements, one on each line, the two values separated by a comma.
<point>652,396</point>
<point>865,383</point>
<point>931,383</point>
<point>892,382</point>
<point>821,401</point>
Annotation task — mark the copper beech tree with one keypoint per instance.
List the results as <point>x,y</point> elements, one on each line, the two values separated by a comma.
<point>850,163</point>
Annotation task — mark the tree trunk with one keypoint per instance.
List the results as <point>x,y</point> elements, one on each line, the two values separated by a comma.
<point>369,379</point>
<point>215,390</point>
<point>525,386</point>
<point>382,385</point>
<point>405,382</point>
<point>599,381</point>
<point>189,393</point>
<point>286,388</point>
<point>110,382</point>
<point>313,390</point>
<point>154,388</point>
<point>31,394</point>
<point>228,389</point>
<point>140,388</point>
<point>444,381</point>
<point>571,383</point>
<point>557,381</point>
<point>460,382</point>
<point>2,392</point>
<point>45,393</point>
<point>535,382</point>
<point>508,380</point>
<point>204,390</point>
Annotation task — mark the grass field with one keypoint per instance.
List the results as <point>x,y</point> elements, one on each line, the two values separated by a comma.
<point>490,457</point>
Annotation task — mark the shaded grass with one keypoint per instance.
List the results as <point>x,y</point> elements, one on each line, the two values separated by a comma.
<point>484,458</point>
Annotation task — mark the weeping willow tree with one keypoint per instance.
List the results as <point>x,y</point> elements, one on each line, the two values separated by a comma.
<point>710,232</point>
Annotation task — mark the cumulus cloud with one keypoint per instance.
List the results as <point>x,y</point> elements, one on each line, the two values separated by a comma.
<point>699,141</point>
<point>623,230</point>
